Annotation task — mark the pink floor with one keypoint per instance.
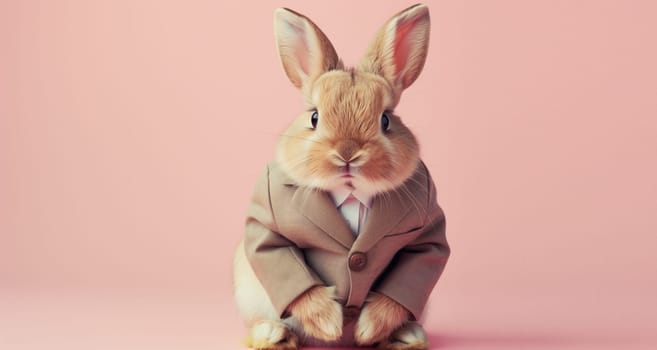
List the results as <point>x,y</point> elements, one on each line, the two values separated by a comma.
<point>48,319</point>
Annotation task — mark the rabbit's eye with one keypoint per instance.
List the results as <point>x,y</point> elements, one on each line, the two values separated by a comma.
<point>385,122</point>
<point>313,119</point>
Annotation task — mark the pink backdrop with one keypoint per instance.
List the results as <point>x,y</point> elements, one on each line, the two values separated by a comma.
<point>131,133</point>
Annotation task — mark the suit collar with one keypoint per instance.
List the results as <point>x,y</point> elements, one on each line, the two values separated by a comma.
<point>341,194</point>
<point>318,207</point>
<point>386,211</point>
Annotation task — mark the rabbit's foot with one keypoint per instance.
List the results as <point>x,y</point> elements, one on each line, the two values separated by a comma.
<point>271,335</point>
<point>380,317</point>
<point>319,314</point>
<point>410,336</point>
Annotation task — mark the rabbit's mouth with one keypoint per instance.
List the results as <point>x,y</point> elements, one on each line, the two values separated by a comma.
<point>345,176</point>
<point>346,171</point>
<point>348,178</point>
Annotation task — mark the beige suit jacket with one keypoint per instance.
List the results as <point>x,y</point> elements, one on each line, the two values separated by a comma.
<point>296,238</point>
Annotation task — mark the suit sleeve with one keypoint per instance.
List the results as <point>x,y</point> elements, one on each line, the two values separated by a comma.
<point>277,262</point>
<point>417,267</point>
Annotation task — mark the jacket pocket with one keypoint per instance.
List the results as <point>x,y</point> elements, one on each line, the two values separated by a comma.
<point>410,231</point>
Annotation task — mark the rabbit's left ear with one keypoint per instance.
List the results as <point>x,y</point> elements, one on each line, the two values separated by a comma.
<point>304,50</point>
<point>400,48</point>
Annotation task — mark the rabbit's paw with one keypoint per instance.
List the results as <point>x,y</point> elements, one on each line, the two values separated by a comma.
<point>410,336</point>
<point>271,335</point>
<point>379,318</point>
<point>319,313</point>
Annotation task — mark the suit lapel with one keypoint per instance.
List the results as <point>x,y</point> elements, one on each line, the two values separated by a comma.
<point>318,207</point>
<point>390,208</point>
<point>386,212</point>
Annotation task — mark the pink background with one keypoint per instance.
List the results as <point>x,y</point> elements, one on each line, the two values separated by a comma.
<point>131,133</point>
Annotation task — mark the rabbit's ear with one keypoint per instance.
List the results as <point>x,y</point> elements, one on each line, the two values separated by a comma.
<point>304,50</point>
<point>400,48</point>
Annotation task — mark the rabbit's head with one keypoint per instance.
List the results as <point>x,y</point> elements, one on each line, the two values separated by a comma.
<point>348,134</point>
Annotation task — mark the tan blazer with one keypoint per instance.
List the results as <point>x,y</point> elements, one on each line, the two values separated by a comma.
<point>296,238</point>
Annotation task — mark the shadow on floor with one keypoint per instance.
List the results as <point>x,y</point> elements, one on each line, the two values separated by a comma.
<point>522,340</point>
<point>526,340</point>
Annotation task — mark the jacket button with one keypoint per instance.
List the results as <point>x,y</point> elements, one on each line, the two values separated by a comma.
<point>357,261</point>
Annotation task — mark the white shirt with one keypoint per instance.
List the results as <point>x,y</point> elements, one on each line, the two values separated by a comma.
<point>353,206</point>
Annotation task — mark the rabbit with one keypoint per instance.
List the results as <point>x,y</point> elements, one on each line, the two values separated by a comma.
<point>303,276</point>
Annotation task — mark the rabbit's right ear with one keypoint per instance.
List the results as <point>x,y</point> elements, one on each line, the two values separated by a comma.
<point>304,50</point>
<point>400,48</point>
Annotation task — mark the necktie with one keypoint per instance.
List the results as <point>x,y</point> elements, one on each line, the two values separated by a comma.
<point>350,209</point>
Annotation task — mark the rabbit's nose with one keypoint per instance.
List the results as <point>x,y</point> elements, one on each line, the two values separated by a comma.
<point>346,151</point>
<point>351,158</point>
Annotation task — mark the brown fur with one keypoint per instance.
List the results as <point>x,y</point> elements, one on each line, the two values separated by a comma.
<point>350,104</point>
<point>411,39</point>
<point>319,313</point>
<point>296,54</point>
<point>402,340</point>
<point>288,341</point>
<point>380,317</point>
<point>350,112</point>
